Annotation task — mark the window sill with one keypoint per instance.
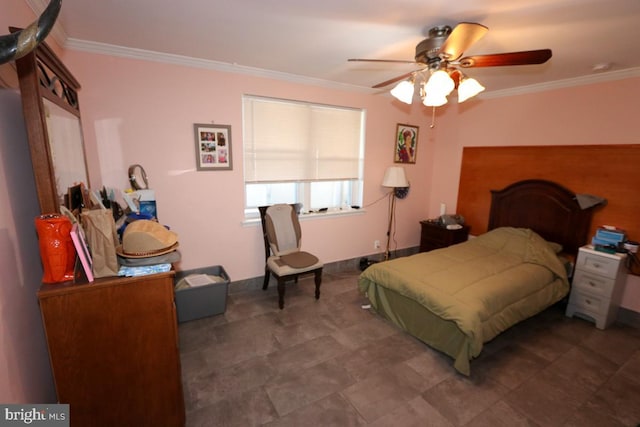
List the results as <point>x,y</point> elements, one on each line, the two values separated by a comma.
<point>313,215</point>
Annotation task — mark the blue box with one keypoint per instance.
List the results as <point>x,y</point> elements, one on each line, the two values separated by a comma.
<point>612,236</point>
<point>602,242</point>
<point>149,208</point>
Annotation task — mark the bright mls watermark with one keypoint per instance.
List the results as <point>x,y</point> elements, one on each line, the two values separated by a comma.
<point>41,415</point>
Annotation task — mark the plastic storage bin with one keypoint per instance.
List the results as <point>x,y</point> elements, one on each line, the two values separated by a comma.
<point>202,301</point>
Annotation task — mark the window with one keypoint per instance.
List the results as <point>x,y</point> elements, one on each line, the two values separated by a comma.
<point>298,152</point>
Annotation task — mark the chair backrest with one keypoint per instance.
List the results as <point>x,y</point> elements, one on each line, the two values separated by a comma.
<point>281,228</point>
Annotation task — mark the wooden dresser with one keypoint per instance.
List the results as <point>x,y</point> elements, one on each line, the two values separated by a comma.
<point>113,346</point>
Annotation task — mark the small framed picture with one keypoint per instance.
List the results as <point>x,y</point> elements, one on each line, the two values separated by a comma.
<point>213,147</point>
<point>406,144</point>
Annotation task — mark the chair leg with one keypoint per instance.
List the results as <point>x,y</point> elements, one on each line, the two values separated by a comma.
<point>318,280</point>
<point>281,293</point>
<point>265,284</point>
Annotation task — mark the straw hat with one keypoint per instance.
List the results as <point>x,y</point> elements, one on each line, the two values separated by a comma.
<point>145,238</point>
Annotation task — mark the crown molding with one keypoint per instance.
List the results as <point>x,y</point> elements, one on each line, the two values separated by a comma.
<point>167,58</point>
<point>565,83</point>
<point>126,52</point>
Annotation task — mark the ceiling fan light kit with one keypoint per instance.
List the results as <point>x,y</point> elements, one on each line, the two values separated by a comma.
<point>440,56</point>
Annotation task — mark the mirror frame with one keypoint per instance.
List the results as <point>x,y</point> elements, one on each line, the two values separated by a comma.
<point>41,74</point>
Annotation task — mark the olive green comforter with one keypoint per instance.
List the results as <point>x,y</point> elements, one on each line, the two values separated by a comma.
<point>456,299</point>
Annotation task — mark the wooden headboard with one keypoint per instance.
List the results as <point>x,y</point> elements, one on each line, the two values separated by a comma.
<point>609,171</point>
<point>547,208</point>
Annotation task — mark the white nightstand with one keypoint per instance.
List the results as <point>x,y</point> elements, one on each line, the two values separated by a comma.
<point>598,283</point>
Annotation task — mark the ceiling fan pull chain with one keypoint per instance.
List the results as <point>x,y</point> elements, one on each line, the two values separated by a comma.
<point>433,118</point>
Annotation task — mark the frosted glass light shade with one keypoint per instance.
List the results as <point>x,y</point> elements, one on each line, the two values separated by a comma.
<point>440,84</point>
<point>434,100</point>
<point>394,176</point>
<point>468,88</point>
<point>403,92</point>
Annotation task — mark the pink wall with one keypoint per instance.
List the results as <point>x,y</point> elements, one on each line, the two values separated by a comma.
<point>603,113</point>
<point>143,112</point>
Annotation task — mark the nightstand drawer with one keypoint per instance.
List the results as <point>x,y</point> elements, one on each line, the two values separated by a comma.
<point>598,264</point>
<point>593,284</point>
<point>588,303</point>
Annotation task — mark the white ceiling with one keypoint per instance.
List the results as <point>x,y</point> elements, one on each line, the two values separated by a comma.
<point>312,40</point>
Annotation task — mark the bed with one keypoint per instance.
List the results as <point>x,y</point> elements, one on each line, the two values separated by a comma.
<point>458,298</point>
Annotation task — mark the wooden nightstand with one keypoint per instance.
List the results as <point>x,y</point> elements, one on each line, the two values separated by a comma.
<point>598,283</point>
<point>434,236</point>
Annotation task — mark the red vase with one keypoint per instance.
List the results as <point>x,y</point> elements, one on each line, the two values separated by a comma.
<point>56,247</point>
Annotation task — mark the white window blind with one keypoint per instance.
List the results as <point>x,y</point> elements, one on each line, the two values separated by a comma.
<point>290,141</point>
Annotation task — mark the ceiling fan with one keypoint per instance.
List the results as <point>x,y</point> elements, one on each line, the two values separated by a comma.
<point>440,58</point>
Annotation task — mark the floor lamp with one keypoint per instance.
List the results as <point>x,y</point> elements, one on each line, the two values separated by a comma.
<point>394,177</point>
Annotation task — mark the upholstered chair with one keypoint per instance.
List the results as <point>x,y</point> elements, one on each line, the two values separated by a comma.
<point>282,241</point>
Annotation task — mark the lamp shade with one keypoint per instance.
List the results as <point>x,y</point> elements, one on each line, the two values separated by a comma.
<point>431,100</point>
<point>440,83</point>
<point>403,92</point>
<point>468,88</point>
<point>394,176</point>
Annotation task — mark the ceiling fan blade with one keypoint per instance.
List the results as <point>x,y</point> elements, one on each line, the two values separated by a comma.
<point>511,58</point>
<point>461,38</point>
<point>381,60</point>
<point>393,80</point>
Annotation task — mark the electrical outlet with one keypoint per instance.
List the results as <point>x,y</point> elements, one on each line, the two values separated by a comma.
<point>376,244</point>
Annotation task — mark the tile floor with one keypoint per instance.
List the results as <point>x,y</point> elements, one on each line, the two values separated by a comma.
<point>331,363</point>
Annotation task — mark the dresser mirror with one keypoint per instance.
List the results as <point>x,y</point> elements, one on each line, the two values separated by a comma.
<point>66,145</point>
<point>52,118</point>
